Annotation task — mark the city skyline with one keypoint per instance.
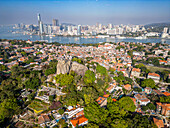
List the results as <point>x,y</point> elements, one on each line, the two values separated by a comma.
<point>85,11</point>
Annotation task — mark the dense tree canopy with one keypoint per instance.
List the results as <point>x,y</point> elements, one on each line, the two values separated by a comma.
<point>89,77</point>
<point>3,67</point>
<point>165,99</point>
<point>95,114</point>
<point>7,108</point>
<point>127,104</point>
<point>64,79</point>
<point>100,69</point>
<point>148,83</point>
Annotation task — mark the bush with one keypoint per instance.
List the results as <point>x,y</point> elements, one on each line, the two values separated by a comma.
<point>61,111</point>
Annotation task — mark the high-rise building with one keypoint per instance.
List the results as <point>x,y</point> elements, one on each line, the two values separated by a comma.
<point>110,26</point>
<point>49,29</point>
<point>97,24</point>
<point>69,28</point>
<point>45,28</point>
<point>39,17</point>
<point>111,31</point>
<point>40,24</point>
<point>165,30</point>
<point>55,22</point>
<point>79,30</point>
<point>100,26</point>
<point>41,28</point>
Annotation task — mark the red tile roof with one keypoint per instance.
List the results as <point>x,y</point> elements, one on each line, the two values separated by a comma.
<point>153,74</point>
<point>166,93</point>
<point>106,95</point>
<point>158,123</point>
<point>78,120</point>
<point>100,100</point>
<point>136,70</point>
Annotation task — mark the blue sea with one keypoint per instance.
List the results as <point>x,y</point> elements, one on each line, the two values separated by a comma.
<point>6,33</point>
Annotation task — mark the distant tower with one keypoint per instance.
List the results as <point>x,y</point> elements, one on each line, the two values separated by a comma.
<point>165,30</point>
<point>110,26</point>
<point>55,22</point>
<point>79,30</point>
<point>100,26</point>
<point>39,18</point>
<point>41,28</point>
<point>97,24</point>
<point>40,24</point>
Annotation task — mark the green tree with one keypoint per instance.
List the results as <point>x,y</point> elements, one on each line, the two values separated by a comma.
<point>92,125</point>
<point>137,89</point>
<point>89,77</point>
<point>24,53</point>
<point>64,79</point>
<point>148,83</point>
<point>3,67</point>
<point>100,69</point>
<point>119,123</point>
<point>61,111</point>
<point>94,113</point>
<point>7,108</point>
<point>130,53</point>
<point>138,121</point>
<point>62,123</point>
<point>127,104</point>
<point>165,99</point>
<point>151,106</point>
<point>32,83</point>
<point>51,98</point>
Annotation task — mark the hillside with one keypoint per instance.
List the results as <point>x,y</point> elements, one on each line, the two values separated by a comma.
<point>157,27</point>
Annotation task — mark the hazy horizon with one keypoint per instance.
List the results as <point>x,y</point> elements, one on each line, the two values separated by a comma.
<point>85,11</point>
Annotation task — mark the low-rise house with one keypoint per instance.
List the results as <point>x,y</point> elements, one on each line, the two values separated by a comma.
<point>55,105</point>
<point>158,92</point>
<point>9,65</point>
<point>27,49</point>
<point>142,99</point>
<point>80,121</point>
<point>163,108</point>
<point>22,59</point>
<point>23,114</point>
<point>134,101</point>
<point>159,122</point>
<point>166,93</point>
<point>43,119</point>
<point>148,90</point>
<point>44,98</point>
<point>135,72</point>
<point>81,113</point>
<point>25,93</point>
<point>19,124</point>
<point>110,89</point>
<point>71,112</point>
<point>102,101</point>
<point>127,87</point>
<point>154,76</point>
<point>163,62</point>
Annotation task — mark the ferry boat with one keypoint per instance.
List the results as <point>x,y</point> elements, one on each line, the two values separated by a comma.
<point>140,37</point>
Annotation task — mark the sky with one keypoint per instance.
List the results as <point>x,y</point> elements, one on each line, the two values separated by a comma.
<point>85,11</point>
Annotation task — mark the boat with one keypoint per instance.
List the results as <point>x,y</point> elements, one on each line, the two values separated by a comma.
<point>140,37</point>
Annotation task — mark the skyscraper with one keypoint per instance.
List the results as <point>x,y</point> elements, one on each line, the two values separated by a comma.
<point>39,18</point>
<point>40,24</point>
<point>55,22</point>
<point>110,26</point>
<point>165,30</point>
<point>41,30</point>
<point>79,30</point>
